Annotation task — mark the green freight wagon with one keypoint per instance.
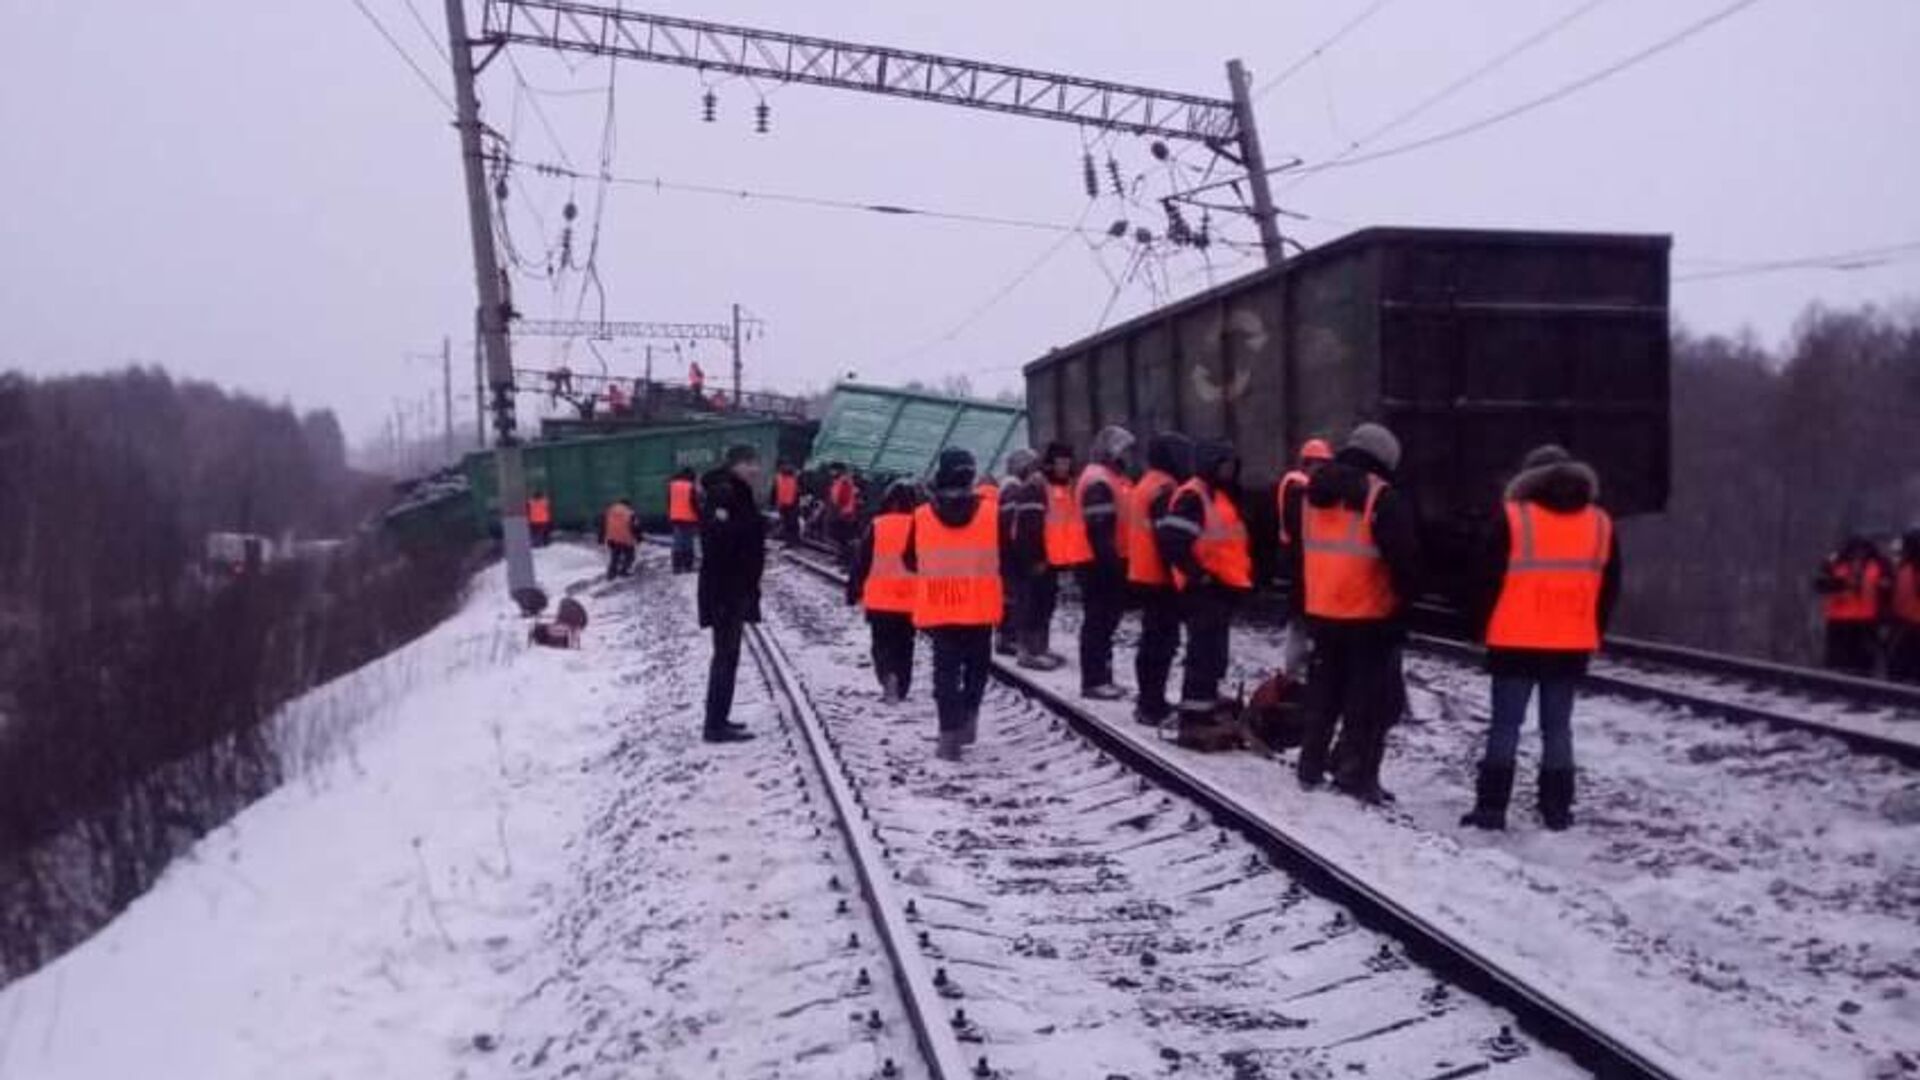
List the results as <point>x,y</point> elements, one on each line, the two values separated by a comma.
<point>449,517</point>
<point>880,431</point>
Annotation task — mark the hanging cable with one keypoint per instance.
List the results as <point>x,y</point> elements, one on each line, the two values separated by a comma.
<point>419,72</point>
<point>1314,53</point>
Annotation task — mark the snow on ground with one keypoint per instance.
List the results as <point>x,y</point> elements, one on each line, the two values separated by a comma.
<point>1745,900</point>
<point>516,863</point>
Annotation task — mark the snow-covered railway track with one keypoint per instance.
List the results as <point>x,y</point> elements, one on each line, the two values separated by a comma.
<point>1092,910</point>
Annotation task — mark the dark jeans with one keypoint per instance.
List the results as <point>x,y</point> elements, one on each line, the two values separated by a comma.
<point>790,524</point>
<point>1903,653</point>
<point>684,534</point>
<point>1208,613</point>
<point>1354,688</point>
<point>892,647</point>
<point>619,560</point>
<point>1159,640</point>
<point>1103,599</point>
<point>1036,611</point>
<point>1013,588</point>
<point>542,534</point>
<point>721,672</point>
<point>1853,647</point>
<point>961,657</point>
<point>1511,693</point>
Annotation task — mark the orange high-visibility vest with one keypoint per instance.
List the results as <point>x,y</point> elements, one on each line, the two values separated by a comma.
<point>1550,598</point>
<point>1906,594</point>
<point>1347,579</point>
<point>889,585</point>
<point>539,510</point>
<point>1221,548</point>
<point>1066,533</point>
<point>786,490</point>
<point>958,583</point>
<point>844,498</point>
<point>1296,478</point>
<point>1144,565</point>
<point>989,495</point>
<point>1121,489</point>
<point>680,502</point>
<point>618,527</point>
<point>1859,600</point>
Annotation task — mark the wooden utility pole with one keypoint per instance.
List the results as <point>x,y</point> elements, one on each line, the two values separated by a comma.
<point>493,313</point>
<point>1255,162</point>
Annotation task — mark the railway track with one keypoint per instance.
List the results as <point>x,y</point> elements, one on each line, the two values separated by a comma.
<point>1091,908</point>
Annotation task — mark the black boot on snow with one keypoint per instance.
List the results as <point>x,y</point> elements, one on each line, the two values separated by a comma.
<point>1492,791</point>
<point>1556,798</point>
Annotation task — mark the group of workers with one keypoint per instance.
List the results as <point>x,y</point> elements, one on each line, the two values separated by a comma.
<point>1871,606</point>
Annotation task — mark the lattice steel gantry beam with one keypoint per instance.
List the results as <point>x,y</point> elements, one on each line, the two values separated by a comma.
<point>606,331</point>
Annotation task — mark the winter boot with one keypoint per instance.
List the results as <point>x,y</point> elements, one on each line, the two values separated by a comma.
<point>1556,798</point>
<point>1103,692</point>
<point>1003,643</point>
<point>1031,660</point>
<point>1492,790</point>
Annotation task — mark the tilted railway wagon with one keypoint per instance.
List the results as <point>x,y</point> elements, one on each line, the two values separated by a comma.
<point>882,432</point>
<point>1472,346</point>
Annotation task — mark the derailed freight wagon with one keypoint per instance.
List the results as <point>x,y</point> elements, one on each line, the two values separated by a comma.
<point>1473,346</point>
<point>883,433</point>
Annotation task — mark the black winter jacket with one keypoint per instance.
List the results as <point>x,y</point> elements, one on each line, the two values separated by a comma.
<point>733,553</point>
<point>1396,531</point>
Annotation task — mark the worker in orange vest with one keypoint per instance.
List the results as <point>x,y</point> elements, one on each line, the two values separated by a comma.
<point>1360,557</point>
<point>885,588</point>
<point>954,553</point>
<point>1853,582</point>
<point>1169,464</point>
<point>540,517</point>
<point>1099,499</point>
<point>843,509</point>
<point>1548,580</point>
<point>1903,653</point>
<point>786,501</point>
<point>616,531</point>
<point>1059,543</point>
<point>1289,496</point>
<point>683,517</point>
<point>1204,541</point>
<point>1022,509</point>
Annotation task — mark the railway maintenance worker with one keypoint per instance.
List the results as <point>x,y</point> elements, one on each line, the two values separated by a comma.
<point>1549,578</point>
<point>683,516</point>
<point>1169,464</point>
<point>733,541</point>
<point>1204,542</point>
<point>1017,497</point>
<point>843,509</point>
<point>1289,496</point>
<point>786,501</point>
<point>1063,546</point>
<point>1903,651</point>
<point>882,585</point>
<point>540,517</point>
<point>616,531</point>
<point>954,553</point>
<point>1852,581</point>
<point>1360,559</point>
<point>1100,500</point>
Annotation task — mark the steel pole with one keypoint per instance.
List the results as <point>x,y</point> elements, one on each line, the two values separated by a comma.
<point>1255,161</point>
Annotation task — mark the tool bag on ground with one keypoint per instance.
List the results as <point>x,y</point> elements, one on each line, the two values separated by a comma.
<point>1214,730</point>
<point>1276,715</point>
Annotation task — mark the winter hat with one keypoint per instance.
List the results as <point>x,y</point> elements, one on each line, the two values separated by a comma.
<point>1022,461</point>
<point>1377,443</point>
<point>1112,442</point>
<point>1057,450</point>
<point>1542,456</point>
<point>954,470</point>
<point>741,452</point>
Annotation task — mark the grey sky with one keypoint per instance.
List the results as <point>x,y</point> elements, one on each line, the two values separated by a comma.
<point>262,193</point>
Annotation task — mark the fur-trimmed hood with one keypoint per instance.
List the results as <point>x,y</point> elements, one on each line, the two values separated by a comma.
<point>1562,486</point>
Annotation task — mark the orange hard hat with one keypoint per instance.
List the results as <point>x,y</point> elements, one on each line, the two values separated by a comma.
<point>1315,450</point>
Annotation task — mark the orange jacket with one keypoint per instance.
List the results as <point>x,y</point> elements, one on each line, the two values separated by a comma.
<point>889,585</point>
<point>1906,594</point>
<point>1144,565</point>
<point>958,580</point>
<point>844,497</point>
<point>1347,578</point>
<point>1556,568</point>
<point>1221,549</point>
<point>1858,599</point>
<point>786,491</point>
<point>680,508</point>
<point>1066,532</point>
<point>618,527</point>
<point>539,510</point>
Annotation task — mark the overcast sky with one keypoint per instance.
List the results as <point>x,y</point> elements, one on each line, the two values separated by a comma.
<point>263,194</point>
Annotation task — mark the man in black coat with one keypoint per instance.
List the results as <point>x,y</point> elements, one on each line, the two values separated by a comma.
<point>733,538</point>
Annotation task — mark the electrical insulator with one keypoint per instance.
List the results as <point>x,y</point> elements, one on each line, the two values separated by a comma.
<point>762,113</point>
<point>570,211</point>
<point>500,189</point>
<point>1160,151</point>
<point>709,106</point>
<point>1143,236</point>
<point>1113,173</point>
<point>1118,229</point>
<point>1091,177</point>
<point>1204,238</point>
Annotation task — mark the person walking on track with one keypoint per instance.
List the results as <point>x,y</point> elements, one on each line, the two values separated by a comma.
<point>1204,540</point>
<point>683,516</point>
<point>1360,558</point>
<point>1100,499</point>
<point>786,501</point>
<point>954,552</point>
<point>1169,464</point>
<point>1852,582</point>
<point>616,531</point>
<point>1548,580</point>
<point>733,539</point>
<point>1023,510</point>
<point>843,511</point>
<point>882,585</point>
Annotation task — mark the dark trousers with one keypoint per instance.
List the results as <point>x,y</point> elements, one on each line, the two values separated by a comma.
<point>790,523</point>
<point>1853,647</point>
<point>1036,610</point>
<point>961,657</point>
<point>619,560</point>
<point>1903,653</point>
<point>684,534</point>
<point>542,534</point>
<point>1013,588</point>
<point>721,672</point>
<point>1208,614</point>
<point>1103,600</point>
<point>1511,693</point>
<point>892,647</point>
<point>1353,688</point>
<point>1159,640</point>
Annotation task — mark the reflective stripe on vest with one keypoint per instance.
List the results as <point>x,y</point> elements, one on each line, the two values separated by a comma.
<point>889,585</point>
<point>1144,565</point>
<point>539,511</point>
<point>958,583</point>
<point>786,490</point>
<point>680,503</point>
<point>1066,533</point>
<point>618,527</point>
<point>1346,577</point>
<point>1221,546</point>
<point>1859,598</point>
<point>1293,479</point>
<point>1556,563</point>
<point>1906,594</point>
<point>1116,510</point>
